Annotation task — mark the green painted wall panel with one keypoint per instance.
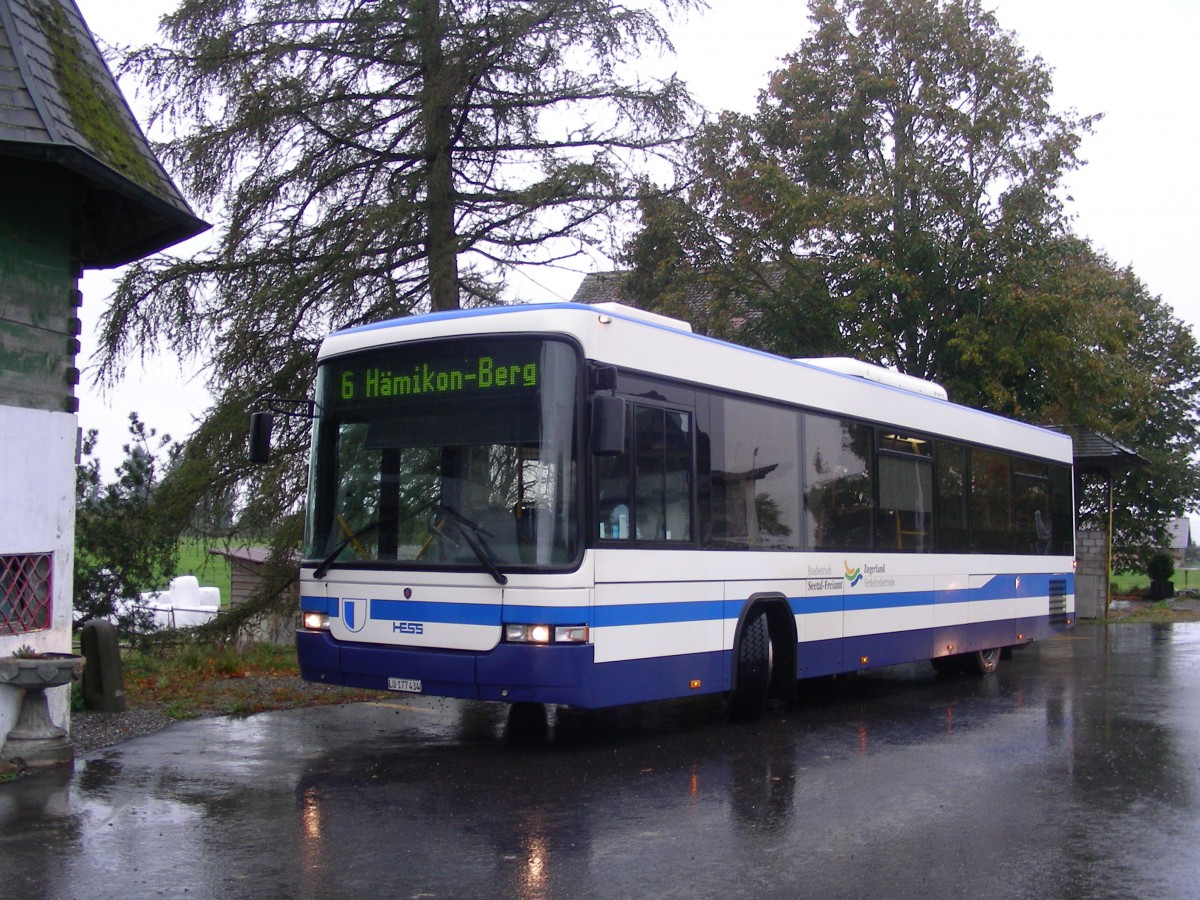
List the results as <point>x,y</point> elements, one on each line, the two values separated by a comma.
<point>37,288</point>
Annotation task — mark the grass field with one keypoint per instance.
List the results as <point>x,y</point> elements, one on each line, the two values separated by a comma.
<point>1129,582</point>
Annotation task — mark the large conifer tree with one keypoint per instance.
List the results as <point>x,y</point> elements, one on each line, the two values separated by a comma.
<point>367,159</point>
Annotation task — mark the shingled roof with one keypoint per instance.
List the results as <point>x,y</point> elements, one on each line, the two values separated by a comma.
<point>600,287</point>
<point>1098,454</point>
<point>60,105</point>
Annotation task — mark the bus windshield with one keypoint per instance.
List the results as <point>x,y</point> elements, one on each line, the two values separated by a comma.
<point>449,454</point>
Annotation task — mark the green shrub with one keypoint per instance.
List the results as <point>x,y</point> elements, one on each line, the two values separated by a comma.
<point>1161,567</point>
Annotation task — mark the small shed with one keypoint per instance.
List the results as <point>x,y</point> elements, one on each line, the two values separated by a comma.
<point>246,577</point>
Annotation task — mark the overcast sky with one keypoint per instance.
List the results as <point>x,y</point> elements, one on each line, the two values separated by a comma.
<point>1136,199</point>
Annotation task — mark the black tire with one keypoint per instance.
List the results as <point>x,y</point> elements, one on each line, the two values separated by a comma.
<point>753,675</point>
<point>984,662</point>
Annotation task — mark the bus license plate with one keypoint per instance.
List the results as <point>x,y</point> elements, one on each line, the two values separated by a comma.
<point>408,685</point>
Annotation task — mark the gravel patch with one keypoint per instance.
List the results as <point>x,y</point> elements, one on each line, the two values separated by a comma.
<point>94,730</point>
<point>224,696</point>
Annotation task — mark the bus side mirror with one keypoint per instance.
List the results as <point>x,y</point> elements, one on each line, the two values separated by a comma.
<point>608,426</point>
<point>260,436</point>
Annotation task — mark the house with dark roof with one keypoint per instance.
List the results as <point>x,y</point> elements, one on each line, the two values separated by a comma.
<point>82,189</point>
<point>694,304</point>
<point>601,287</point>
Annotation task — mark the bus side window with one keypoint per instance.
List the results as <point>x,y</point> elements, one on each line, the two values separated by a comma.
<point>991,502</point>
<point>612,496</point>
<point>839,482</point>
<point>662,474</point>
<point>905,480</point>
<point>951,509</point>
<point>1031,507</point>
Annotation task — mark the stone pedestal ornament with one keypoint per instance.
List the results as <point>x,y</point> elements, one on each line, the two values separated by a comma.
<point>35,739</point>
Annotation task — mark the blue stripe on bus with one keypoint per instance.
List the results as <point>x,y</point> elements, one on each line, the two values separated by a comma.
<point>326,605</point>
<point>658,613</point>
<point>824,604</point>
<point>427,611</point>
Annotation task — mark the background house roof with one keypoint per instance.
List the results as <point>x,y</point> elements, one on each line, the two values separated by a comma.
<point>694,300</point>
<point>600,287</point>
<point>60,105</point>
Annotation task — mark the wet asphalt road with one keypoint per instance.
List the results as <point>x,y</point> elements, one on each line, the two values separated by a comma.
<point>1072,772</point>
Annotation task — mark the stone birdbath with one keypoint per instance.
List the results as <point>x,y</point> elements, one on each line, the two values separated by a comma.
<point>35,739</point>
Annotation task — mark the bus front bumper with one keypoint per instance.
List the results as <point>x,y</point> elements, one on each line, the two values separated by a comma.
<point>512,673</point>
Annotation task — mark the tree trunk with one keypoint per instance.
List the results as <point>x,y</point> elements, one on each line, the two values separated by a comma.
<point>441,241</point>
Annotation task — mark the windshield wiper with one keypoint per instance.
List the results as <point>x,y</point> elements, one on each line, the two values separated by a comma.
<point>471,533</point>
<point>350,538</point>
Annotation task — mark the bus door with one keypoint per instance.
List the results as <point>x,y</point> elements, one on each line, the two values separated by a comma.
<point>651,600</point>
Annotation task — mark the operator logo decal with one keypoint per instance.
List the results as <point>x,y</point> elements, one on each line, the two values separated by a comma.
<point>854,576</point>
<point>354,614</point>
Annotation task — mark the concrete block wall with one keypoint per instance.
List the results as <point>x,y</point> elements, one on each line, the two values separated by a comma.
<point>1091,576</point>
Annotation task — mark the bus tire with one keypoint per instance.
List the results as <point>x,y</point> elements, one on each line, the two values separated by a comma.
<point>984,662</point>
<point>754,660</point>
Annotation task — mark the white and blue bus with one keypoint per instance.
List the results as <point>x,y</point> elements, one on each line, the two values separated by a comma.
<point>593,506</point>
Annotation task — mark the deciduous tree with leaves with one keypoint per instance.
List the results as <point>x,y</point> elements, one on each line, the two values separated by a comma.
<point>897,196</point>
<point>896,165</point>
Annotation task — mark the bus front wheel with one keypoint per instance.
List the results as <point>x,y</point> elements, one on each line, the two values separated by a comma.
<point>754,663</point>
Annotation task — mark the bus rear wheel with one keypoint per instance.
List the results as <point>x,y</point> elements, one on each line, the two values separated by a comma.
<point>983,662</point>
<point>976,662</point>
<point>754,663</point>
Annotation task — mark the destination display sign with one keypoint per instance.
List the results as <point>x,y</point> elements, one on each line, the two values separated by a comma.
<point>430,371</point>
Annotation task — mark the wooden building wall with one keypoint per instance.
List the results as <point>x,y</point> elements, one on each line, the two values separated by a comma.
<point>39,295</point>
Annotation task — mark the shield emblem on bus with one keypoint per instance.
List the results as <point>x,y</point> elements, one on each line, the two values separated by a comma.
<point>354,614</point>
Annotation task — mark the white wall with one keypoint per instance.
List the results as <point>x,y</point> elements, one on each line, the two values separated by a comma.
<point>37,515</point>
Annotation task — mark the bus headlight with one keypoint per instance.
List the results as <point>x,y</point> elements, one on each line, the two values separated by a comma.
<point>315,621</point>
<point>527,634</point>
<point>519,633</point>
